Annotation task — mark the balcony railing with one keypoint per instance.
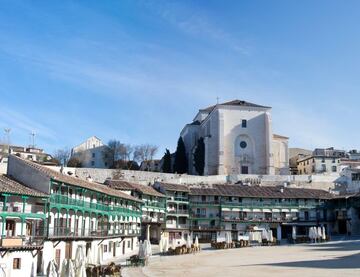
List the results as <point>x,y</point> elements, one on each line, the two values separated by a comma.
<point>201,203</point>
<point>181,199</point>
<point>69,232</point>
<point>150,204</point>
<point>150,219</point>
<point>178,211</point>
<point>65,200</point>
<point>20,241</point>
<point>270,205</point>
<point>207,227</point>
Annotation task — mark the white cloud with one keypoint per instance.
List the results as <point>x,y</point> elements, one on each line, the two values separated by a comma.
<point>10,118</point>
<point>197,23</point>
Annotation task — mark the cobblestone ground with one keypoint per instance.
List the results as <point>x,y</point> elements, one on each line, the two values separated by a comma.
<point>340,258</point>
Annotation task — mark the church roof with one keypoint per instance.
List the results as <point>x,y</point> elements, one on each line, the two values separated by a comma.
<point>235,102</point>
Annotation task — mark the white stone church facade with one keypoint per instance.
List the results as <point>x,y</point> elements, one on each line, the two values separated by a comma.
<point>238,139</point>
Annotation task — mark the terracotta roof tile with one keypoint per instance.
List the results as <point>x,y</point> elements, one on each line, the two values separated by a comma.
<point>57,176</point>
<point>123,185</point>
<point>272,192</point>
<point>8,185</point>
<point>174,187</point>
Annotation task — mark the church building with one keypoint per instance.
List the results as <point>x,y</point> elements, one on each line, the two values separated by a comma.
<point>238,139</point>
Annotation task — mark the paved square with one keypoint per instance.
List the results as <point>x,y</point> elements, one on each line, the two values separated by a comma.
<point>341,258</point>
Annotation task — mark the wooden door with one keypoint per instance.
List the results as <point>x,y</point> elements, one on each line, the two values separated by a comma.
<point>68,250</point>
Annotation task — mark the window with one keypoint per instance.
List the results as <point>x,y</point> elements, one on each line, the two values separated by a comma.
<point>244,123</point>
<point>323,167</point>
<point>333,160</point>
<point>128,244</point>
<point>334,168</point>
<point>243,144</point>
<point>203,198</point>
<point>110,245</point>
<point>92,163</point>
<point>16,263</point>
<point>105,248</point>
<point>244,170</point>
<point>93,155</point>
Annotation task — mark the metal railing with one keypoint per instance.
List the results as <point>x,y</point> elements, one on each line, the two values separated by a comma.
<point>182,199</point>
<point>19,241</point>
<point>69,232</point>
<point>65,200</point>
<point>151,204</point>
<point>274,205</point>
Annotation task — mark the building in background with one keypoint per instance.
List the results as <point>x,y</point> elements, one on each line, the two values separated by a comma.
<point>322,161</point>
<point>153,165</point>
<point>93,153</point>
<point>30,153</point>
<point>238,139</point>
<point>296,154</point>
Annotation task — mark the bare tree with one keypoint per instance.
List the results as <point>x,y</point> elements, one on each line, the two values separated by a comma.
<point>145,152</point>
<point>62,155</point>
<point>114,149</point>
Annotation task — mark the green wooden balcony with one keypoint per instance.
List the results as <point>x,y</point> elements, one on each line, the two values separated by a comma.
<point>61,200</point>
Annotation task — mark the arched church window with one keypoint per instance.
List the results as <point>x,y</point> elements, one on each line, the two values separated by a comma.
<point>243,144</point>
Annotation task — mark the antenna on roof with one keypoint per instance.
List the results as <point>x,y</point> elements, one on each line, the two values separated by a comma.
<point>32,134</point>
<point>7,134</point>
<point>217,100</point>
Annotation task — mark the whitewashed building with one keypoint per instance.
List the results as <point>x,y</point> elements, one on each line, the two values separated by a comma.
<point>103,222</point>
<point>238,139</point>
<point>93,153</point>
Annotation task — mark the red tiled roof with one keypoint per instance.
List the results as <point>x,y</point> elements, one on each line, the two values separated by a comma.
<point>123,185</point>
<point>8,185</point>
<point>174,187</point>
<point>57,176</point>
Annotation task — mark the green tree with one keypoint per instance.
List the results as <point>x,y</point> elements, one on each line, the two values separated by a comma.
<point>181,162</point>
<point>166,166</point>
<point>199,156</point>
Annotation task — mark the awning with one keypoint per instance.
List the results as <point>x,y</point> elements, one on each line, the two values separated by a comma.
<point>266,210</point>
<point>150,209</point>
<point>285,210</point>
<point>246,210</point>
<point>236,210</point>
<point>156,210</point>
<point>144,209</point>
<point>225,209</point>
<point>256,210</point>
<point>276,210</point>
<point>294,210</point>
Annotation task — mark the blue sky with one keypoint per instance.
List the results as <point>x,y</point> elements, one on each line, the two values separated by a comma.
<point>139,70</point>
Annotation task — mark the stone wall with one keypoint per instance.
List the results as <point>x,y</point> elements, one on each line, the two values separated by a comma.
<point>325,182</point>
